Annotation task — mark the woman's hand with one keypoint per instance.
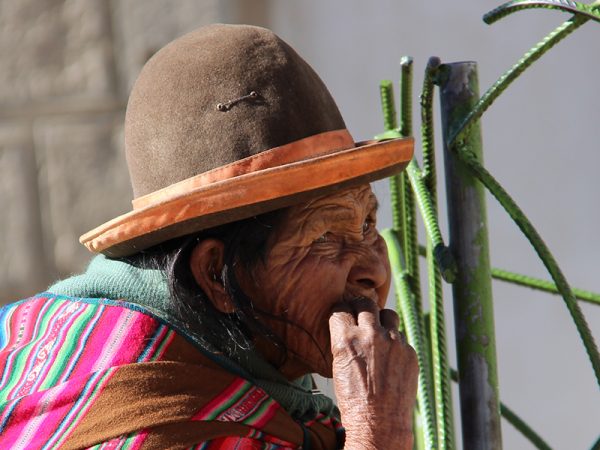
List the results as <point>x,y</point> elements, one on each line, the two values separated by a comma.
<point>375,376</point>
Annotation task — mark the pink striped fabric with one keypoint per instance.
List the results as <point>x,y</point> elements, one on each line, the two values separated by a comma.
<point>61,357</point>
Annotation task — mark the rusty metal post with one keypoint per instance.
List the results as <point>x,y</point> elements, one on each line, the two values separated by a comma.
<point>472,290</point>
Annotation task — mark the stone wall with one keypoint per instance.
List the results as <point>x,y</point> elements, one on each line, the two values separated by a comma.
<point>67,67</point>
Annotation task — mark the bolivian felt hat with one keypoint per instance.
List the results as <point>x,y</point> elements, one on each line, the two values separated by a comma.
<point>229,122</point>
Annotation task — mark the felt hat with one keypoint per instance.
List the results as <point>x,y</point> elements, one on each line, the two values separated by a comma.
<point>225,123</point>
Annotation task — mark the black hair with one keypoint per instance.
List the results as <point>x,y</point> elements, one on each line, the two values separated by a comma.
<point>245,244</point>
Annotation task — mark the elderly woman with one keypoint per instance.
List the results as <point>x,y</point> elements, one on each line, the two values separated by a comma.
<point>250,260</point>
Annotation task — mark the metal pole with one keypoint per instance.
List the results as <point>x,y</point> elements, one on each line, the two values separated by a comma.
<point>472,289</point>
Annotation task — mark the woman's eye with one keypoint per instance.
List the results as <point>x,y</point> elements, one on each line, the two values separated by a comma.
<point>325,237</point>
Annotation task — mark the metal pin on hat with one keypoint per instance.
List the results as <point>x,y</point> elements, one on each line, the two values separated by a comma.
<point>227,106</point>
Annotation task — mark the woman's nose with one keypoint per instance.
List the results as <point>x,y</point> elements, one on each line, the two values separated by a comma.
<point>370,272</point>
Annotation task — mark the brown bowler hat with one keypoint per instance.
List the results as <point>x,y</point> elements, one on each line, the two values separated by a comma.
<point>225,123</point>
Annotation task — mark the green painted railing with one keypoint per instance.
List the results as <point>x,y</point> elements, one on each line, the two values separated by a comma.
<point>415,189</point>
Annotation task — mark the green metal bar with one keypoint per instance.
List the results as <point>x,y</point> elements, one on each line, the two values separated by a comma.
<point>502,196</point>
<point>427,139</point>
<point>415,336</point>
<point>427,333</point>
<point>472,289</point>
<point>386,92</point>
<point>443,256</point>
<point>421,427</point>
<point>409,217</point>
<point>509,205</point>
<point>538,284</point>
<point>543,285</point>
<point>522,426</point>
<point>406,66</point>
<point>437,324</point>
<point>519,424</point>
<point>410,243</point>
<point>536,52</point>
<point>410,236</point>
<point>418,432</point>
<point>590,11</point>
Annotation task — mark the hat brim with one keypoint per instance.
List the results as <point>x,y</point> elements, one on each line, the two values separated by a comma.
<point>248,195</point>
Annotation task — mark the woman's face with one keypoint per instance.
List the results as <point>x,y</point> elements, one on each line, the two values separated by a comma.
<point>322,253</point>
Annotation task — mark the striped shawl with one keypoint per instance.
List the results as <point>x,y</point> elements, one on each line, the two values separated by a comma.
<point>97,373</point>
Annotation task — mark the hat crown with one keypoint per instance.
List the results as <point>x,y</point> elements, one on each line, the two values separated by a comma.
<point>217,95</point>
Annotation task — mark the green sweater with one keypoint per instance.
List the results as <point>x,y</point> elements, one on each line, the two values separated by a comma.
<point>118,280</point>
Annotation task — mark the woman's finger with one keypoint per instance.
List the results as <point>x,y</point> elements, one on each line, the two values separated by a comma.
<point>389,319</point>
<point>367,312</point>
<point>342,317</point>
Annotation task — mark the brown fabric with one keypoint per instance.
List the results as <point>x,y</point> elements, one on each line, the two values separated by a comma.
<point>181,350</point>
<point>161,397</point>
<point>173,129</point>
<point>185,435</point>
<point>321,437</point>
<point>145,395</point>
<point>247,195</point>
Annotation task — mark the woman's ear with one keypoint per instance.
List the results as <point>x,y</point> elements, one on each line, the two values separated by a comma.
<point>206,264</point>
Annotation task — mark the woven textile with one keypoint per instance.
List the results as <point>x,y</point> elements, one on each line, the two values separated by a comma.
<point>97,373</point>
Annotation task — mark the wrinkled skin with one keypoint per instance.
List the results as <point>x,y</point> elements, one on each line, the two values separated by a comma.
<point>322,290</point>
